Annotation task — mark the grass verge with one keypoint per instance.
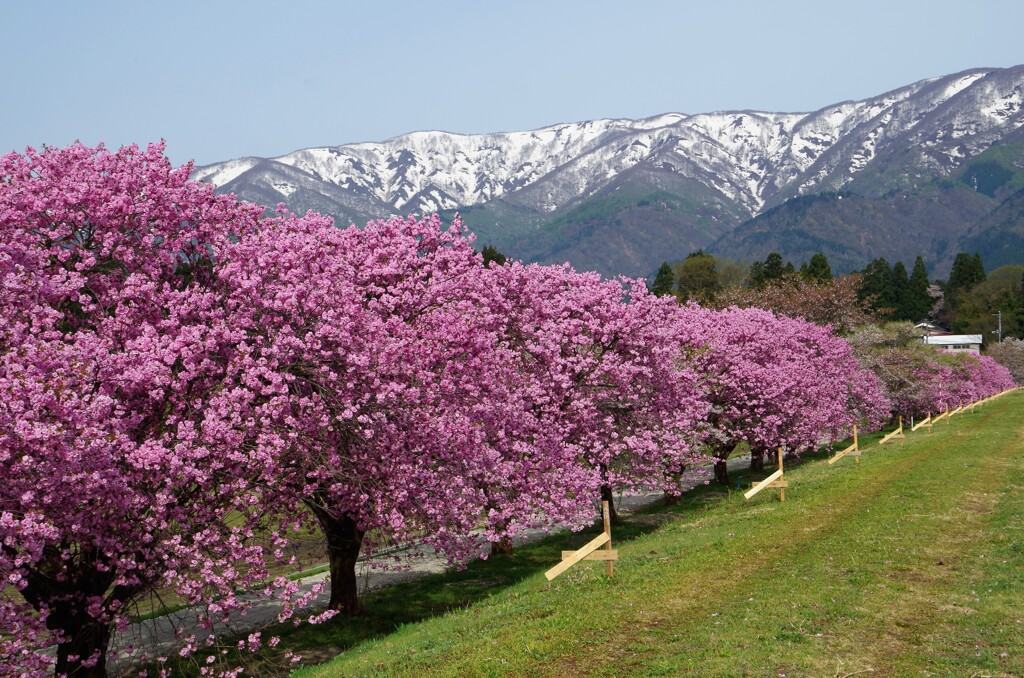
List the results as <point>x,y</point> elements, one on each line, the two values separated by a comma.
<point>910,562</point>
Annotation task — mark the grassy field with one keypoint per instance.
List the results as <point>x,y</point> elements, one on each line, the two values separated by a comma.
<point>910,563</point>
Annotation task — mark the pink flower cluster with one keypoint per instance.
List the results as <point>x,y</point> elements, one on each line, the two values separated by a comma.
<point>775,381</point>
<point>953,380</point>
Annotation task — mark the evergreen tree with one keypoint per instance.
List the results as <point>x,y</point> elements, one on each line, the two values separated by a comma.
<point>916,303</point>
<point>755,277</point>
<point>977,267</point>
<point>818,269</point>
<point>876,285</point>
<point>967,272</point>
<point>491,253</point>
<point>899,283</point>
<point>773,266</point>
<point>664,281</point>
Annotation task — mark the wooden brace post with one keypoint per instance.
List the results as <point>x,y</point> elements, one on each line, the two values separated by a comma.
<point>589,550</point>
<point>852,450</point>
<point>776,479</point>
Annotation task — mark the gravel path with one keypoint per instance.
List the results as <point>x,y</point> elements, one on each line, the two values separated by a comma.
<point>159,636</point>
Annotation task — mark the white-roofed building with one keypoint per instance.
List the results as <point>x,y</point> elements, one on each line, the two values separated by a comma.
<point>958,343</point>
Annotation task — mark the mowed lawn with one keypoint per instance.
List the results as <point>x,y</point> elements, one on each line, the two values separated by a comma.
<point>910,563</point>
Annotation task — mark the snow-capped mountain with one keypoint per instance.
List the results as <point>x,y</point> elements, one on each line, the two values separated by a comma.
<point>721,168</point>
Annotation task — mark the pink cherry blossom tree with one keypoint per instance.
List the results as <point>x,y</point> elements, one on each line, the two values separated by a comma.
<point>398,406</point>
<point>603,368</point>
<point>776,382</point>
<point>119,457</point>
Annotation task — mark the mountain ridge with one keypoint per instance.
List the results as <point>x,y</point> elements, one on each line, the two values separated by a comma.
<point>532,192</point>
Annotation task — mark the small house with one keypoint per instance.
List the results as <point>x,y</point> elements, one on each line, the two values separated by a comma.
<point>957,343</point>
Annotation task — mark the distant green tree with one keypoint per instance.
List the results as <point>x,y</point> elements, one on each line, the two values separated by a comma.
<point>697,277</point>
<point>876,287</point>
<point>763,272</point>
<point>817,269</point>
<point>899,282</point>
<point>755,276</point>
<point>967,272</point>
<point>491,253</point>
<point>773,266</point>
<point>664,282</point>
<point>731,273</point>
<point>1000,292</point>
<point>978,267</point>
<point>915,302</point>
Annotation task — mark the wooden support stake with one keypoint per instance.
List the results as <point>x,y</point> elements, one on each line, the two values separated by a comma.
<point>589,550</point>
<point>599,554</point>
<point>577,556</point>
<point>781,484</point>
<point>924,422</point>
<point>852,450</point>
<point>606,515</point>
<point>761,485</point>
<point>897,432</point>
<point>776,480</point>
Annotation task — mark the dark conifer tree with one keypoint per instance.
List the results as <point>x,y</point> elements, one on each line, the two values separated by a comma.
<point>899,283</point>
<point>916,303</point>
<point>491,253</point>
<point>876,286</point>
<point>818,269</point>
<point>664,282</point>
<point>967,272</point>
<point>978,268</point>
<point>773,266</point>
<point>755,277</point>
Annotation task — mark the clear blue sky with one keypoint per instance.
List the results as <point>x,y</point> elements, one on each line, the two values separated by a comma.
<point>224,79</point>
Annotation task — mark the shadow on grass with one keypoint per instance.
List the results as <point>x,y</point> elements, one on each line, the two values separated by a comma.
<point>389,608</point>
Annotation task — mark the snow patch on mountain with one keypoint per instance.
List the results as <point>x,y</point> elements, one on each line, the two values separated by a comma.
<point>748,157</point>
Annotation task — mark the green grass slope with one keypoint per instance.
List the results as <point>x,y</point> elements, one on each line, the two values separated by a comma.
<point>909,563</point>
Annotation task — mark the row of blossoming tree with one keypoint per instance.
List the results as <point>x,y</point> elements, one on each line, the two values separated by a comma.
<point>184,379</point>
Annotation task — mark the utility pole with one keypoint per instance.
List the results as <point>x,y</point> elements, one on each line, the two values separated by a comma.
<point>999,314</point>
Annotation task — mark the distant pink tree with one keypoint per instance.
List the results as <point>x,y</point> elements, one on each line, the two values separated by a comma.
<point>973,377</point>
<point>602,368</point>
<point>946,381</point>
<point>119,458</point>
<point>1010,354</point>
<point>777,382</point>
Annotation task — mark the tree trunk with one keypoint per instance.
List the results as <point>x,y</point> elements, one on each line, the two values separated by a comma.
<point>65,589</point>
<point>671,499</point>
<point>609,496</point>
<point>757,460</point>
<point>344,541</point>
<point>85,638</point>
<point>721,471</point>
<point>501,547</point>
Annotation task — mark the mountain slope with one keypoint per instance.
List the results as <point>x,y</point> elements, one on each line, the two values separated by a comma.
<point>620,196</point>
